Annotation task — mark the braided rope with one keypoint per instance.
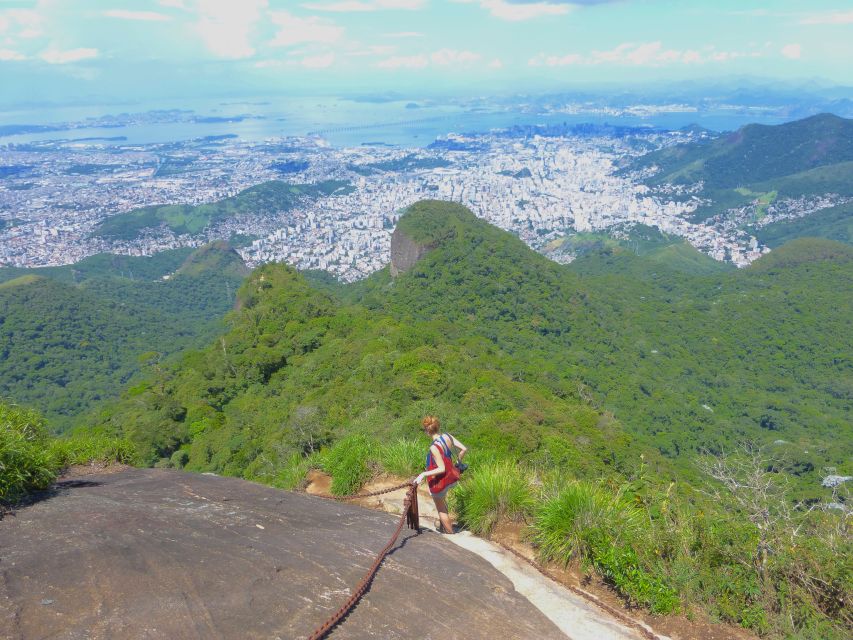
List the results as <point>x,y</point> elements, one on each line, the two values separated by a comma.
<point>354,496</point>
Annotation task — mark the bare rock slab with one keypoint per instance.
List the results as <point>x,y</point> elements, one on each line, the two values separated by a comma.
<point>160,554</point>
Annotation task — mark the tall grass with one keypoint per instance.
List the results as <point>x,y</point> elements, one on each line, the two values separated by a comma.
<point>347,461</point>
<point>402,457</point>
<point>293,474</point>
<point>25,463</point>
<point>86,449</point>
<point>495,491</point>
<point>578,516</point>
<point>598,527</point>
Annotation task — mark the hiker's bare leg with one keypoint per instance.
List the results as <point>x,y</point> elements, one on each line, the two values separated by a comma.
<point>443,515</point>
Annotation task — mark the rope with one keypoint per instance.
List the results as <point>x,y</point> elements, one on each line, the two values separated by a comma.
<point>583,594</point>
<point>410,517</point>
<point>353,496</point>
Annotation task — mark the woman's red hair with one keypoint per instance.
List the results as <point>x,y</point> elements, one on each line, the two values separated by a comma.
<point>432,424</point>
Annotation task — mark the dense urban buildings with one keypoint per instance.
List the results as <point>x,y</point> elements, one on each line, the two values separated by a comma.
<point>53,195</point>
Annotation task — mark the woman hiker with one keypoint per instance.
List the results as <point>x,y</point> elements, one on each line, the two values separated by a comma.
<point>440,472</point>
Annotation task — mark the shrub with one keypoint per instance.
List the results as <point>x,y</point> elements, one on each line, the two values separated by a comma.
<point>493,491</point>
<point>347,462</point>
<point>620,566</point>
<point>25,463</point>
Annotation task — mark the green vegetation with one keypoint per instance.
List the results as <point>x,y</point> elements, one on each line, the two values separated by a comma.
<point>406,163</point>
<point>810,157</point>
<point>25,463</point>
<point>30,458</point>
<point>659,249</point>
<point>70,337</point>
<point>756,153</point>
<point>835,223</point>
<point>495,492</point>
<point>264,199</point>
<point>585,393</point>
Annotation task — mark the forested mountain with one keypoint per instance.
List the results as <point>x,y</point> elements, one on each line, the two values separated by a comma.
<point>508,345</point>
<point>588,394</point>
<point>757,153</point>
<point>72,336</point>
<point>799,173</point>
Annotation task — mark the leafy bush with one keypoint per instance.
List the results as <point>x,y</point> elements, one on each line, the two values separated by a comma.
<point>25,463</point>
<point>492,492</point>
<point>620,566</point>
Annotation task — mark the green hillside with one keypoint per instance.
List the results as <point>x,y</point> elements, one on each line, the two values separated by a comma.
<point>685,362</point>
<point>659,249</point>
<point>586,394</point>
<point>756,153</point>
<point>264,199</point>
<point>834,223</point>
<point>107,265</point>
<point>71,337</point>
<point>763,165</point>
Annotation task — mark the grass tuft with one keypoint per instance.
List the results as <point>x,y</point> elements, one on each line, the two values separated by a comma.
<point>402,457</point>
<point>25,463</point>
<point>87,449</point>
<point>493,491</point>
<point>347,461</point>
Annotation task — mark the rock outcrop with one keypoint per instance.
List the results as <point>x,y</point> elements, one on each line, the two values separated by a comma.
<point>150,553</point>
<point>405,252</point>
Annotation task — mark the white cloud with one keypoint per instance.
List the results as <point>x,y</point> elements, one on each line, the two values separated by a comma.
<point>648,54</point>
<point>148,16</point>
<point>319,62</point>
<point>440,58</point>
<point>404,34</point>
<point>226,27</point>
<point>21,23</point>
<point>374,50</point>
<point>526,11</point>
<point>295,30</point>
<point>446,57</point>
<point>174,4</point>
<point>7,55</point>
<point>404,62</point>
<point>541,60</point>
<point>496,64</point>
<point>792,51</point>
<point>836,17</point>
<point>55,56</point>
<point>365,5</point>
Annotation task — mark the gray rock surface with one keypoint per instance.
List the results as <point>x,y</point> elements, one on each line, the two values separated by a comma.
<point>405,252</point>
<point>160,554</point>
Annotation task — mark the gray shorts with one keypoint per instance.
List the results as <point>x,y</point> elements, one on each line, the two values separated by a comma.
<point>443,493</point>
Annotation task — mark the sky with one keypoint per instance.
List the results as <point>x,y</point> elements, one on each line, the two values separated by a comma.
<point>62,51</point>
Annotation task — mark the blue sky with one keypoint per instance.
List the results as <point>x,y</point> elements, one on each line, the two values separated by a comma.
<point>64,50</point>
